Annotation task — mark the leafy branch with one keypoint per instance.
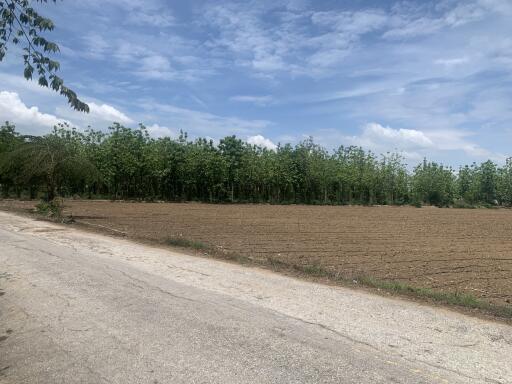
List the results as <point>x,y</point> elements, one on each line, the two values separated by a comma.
<point>22,24</point>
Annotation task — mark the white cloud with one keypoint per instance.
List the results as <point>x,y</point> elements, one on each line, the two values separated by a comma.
<point>415,144</point>
<point>356,23</point>
<point>156,131</point>
<point>261,141</point>
<point>306,42</point>
<point>150,52</point>
<point>97,47</point>
<point>160,18</point>
<point>27,119</point>
<point>155,67</point>
<point>378,135</point>
<point>16,84</point>
<point>153,13</point>
<point>108,113</point>
<point>100,116</point>
<point>422,19</point>
<point>457,140</point>
<point>500,6</point>
<point>200,123</point>
<point>32,120</point>
<point>257,100</point>
<point>247,38</point>
<point>452,62</point>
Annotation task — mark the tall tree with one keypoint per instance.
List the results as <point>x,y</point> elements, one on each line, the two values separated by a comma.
<point>9,141</point>
<point>130,164</point>
<point>232,150</point>
<point>55,160</point>
<point>432,183</point>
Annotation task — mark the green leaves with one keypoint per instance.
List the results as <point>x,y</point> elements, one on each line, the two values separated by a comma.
<point>42,81</point>
<point>128,163</point>
<point>28,71</point>
<point>21,24</point>
<point>50,160</point>
<point>434,184</point>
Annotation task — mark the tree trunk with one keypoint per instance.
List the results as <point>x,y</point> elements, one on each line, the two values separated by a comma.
<point>33,192</point>
<point>51,192</point>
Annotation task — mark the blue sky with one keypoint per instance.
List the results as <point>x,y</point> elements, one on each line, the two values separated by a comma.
<point>424,78</point>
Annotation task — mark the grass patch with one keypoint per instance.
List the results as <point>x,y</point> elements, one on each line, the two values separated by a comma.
<point>459,299</point>
<point>315,270</point>
<point>185,243</point>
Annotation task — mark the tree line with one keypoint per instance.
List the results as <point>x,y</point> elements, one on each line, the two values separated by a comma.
<point>126,163</point>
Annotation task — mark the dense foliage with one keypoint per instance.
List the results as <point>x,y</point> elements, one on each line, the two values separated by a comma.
<point>21,24</point>
<point>127,163</point>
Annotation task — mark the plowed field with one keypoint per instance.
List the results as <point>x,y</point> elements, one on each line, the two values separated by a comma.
<point>454,250</point>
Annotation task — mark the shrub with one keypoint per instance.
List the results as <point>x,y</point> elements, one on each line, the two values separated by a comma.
<point>52,209</point>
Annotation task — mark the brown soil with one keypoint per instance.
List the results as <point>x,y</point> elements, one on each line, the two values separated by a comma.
<point>449,250</point>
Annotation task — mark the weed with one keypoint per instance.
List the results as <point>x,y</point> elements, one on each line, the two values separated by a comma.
<point>314,270</point>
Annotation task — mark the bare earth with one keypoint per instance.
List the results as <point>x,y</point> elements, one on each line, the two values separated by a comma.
<point>78,307</point>
<point>454,250</point>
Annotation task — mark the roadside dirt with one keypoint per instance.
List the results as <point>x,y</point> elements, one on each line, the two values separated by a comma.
<point>448,250</point>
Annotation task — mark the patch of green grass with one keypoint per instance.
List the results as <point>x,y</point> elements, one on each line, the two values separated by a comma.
<point>457,298</point>
<point>185,243</point>
<point>460,299</point>
<point>315,270</point>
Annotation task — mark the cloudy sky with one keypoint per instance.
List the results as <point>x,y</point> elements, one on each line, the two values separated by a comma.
<point>425,78</point>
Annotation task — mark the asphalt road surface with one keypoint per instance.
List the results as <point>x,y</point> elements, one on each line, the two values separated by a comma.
<point>78,307</point>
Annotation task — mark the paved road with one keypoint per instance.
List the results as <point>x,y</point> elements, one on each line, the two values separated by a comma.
<point>77,307</point>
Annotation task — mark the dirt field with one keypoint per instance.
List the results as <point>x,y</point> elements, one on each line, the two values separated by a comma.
<point>454,250</point>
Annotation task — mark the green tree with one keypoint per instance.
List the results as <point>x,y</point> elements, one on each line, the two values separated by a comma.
<point>486,181</point>
<point>232,150</point>
<point>432,183</point>
<point>393,179</point>
<point>54,159</point>
<point>504,183</point>
<point>128,163</point>
<point>21,24</point>
<point>465,181</point>
<point>9,140</point>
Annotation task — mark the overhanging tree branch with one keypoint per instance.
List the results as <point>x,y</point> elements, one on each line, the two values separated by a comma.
<point>16,14</point>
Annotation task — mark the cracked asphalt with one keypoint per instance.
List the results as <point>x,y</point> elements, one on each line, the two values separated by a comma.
<point>78,307</point>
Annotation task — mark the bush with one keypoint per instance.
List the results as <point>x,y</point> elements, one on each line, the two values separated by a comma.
<point>51,209</point>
